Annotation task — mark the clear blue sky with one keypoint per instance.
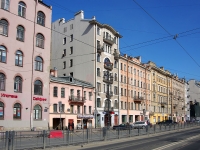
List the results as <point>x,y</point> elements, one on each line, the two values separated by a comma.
<point>180,17</point>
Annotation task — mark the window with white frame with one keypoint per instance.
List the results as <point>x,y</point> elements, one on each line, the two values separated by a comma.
<point>62,92</point>
<point>38,87</point>
<point>18,84</point>
<point>21,9</point>
<point>2,82</point>
<point>64,64</point>
<point>37,112</point>
<point>3,53</point>
<point>98,102</point>
<point>18,58</point>
<point>115,90</point>
<point>71,62</point>
<point>71,37</point>
<point>17,111</point>
<point>98,87</point>
<point>98,31</point>
<point>20,33</point>
<point>5,4</point>
<point>64,40</point>
<point>98,58</point>
<point>41,18</point>
<point>2,110</point>
<point>40,40</point>
<point>38,64</point>
<point>4,27</point>
<point>98,72</point>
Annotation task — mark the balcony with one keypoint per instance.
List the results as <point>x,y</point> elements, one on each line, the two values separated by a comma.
<point>100,49</point>
<point>109,95</point>
<point>138,99</point>
<point>163,104</point>
<point>116,55</point>
<point>76,99</point>
<point>108,39</point>
<point>108,109</point>
<point>108,80</point>
<point>108,66</point>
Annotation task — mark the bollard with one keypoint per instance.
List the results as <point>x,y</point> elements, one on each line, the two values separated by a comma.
<point>87,135</point>
<point>44,142</point>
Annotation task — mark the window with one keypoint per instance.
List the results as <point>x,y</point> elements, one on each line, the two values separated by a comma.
<point>121,66</point>
<point>62,108</point>
<point>124,67</point>
<point>121,78</point>
<point>5,4</point>
<point>21,9</point>
<point>18,84</point>
<point>71,92</point>
<point>124,79</point>
<point>38,64</point>
<point>115,77</point>
<point>64,40</point>
<point>121,105</point>
<point>55,106</point>
<point>62,92</point>
<point>98,58</point>
<point>65,29</point>
<point>90,95</point>
<point>41,18</point>
<point>64,53</point>
<point>98,87</point>
<point>90,110</point>
<point>37,113</point>
<point>84,95</point>
<point>55,91</point>
<point>115,104</point>
<point>71,37</point>
<point>71,62</point>
<point>2,54</point>
<point>17,111</point>
<point>84,110</point>
<point>1,110</point>
<point>98,72</point>
<point>40,40</point>
<point>98,31</point>
<point>98,102</point>
<point>115,90</point>
<point>4,27</point>
<point>72,109</point>
<point>78,110</point>
<point>2,82</point>
<point>64,64</point>
<point>71,26</point>
<point>115,64</point>
<point>121,91</point>
<point>71,50</point>
<point>18,58</point>
<point>38,87</point>
<point>71,74</point>
<point>20,33</point>
<point>124,92</point>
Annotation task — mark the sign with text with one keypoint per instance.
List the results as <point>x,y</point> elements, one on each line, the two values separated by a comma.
<point>8,95</point>
<point>39,99</point>
<point>85,116</point>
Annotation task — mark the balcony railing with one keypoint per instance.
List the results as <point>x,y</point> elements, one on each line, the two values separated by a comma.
<point>163,104</point>
<point>108,80</point>
<point>109,95</point>
<point>116,55</point>
<point>109,39</point>
<point>138,98</point>
<point>108,66</point>
<point>100,49</point>
<point>108,109</point>
<point>76,99</point>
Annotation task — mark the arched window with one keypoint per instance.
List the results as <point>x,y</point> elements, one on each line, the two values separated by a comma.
<point>115,65</point>
<point>38,64</point>
<point>38,87</point>
<point>40,40</point>
<point>20,33</point>
<point>2,82</point>
<point>18,58</point>
<point>41,18</point>
<point>18,84</point>
<point>98,58</point>
<point>5,4</point>
<point>17,111</point>
<point>22,9</point>
<point>4,27</point>
<point>55,91</point>
<point>37,112</point>
<point>1,110</point>
<point>107,61</point>
<point>2,54</point>
<point>107,105</point>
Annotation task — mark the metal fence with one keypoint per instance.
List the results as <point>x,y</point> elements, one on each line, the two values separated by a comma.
<point>18,140</point>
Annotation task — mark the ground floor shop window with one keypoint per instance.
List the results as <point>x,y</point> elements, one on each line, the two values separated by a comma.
<point>17,111</point>
<point>37,112</point>
<point>1,110</point>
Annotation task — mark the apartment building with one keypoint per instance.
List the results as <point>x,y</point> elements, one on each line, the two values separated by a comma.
<point>135,89</point>
<point>88,50</point>
<point>71,103</point>
<point>24,64</point>
<point>160,100</point>
<point>178,98</point>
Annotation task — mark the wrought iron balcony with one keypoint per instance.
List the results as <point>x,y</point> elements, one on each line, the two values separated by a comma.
<point>108,39</point>
<point>108,80</point>
<point>100,49</point>
<point>116,55</point>
<point>138,98</point>
<point>109,95</point>
<point>76,99</point>
<point>163,104</point>
<point>108,66</point>
<point>108,109</point>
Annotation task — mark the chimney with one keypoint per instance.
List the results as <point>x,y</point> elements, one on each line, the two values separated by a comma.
<point>80,14</point>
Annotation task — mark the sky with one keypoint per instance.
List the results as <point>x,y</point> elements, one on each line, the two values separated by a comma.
<point>166,32</point>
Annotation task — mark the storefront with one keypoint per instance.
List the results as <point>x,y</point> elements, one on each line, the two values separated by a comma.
<point>85,121</point>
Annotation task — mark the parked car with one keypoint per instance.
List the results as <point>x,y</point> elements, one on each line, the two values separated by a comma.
<point>123,127</point>
<point>167,122</point>
<point>140,124</point>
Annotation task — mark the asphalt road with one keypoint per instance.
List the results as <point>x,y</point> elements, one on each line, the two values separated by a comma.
<point>183,140</point>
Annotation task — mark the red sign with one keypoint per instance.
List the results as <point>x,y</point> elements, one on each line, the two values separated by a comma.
<point>39,99</point>
<point>8,95</point>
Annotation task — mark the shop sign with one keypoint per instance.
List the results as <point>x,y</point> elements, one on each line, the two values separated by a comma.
<point>8,95</point>
<point>85,116</point>
<point>39,99</point>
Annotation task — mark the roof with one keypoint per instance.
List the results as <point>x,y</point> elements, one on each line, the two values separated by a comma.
<point>70,81</point>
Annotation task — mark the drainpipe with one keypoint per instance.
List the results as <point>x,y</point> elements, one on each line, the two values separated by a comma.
<point>127,93</point>
<point>95,27</point>
<point>118,82</point>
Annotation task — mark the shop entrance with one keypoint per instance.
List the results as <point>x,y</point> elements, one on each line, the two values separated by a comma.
<point>85,123</point>
<point>116,120</point>
<point>56,123</point>
<point>107,120</point>
<point>71,124</point>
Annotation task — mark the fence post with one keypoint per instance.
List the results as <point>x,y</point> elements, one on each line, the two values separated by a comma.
<point>118,132</point>
<point>129,131</point>
<point>147,130</point>
<point>68,137</point>
<point>104,134</point>
<point>12,139</point>
<point>178,126</point>
<point>138,131</point>
<point>154,129</point>
<point>165,127</point>
<point>87,135</point>
<point>7,140</point>
<point>160,126</point>
<point>44,142</point>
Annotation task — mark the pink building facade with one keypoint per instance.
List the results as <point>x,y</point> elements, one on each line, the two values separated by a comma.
<point>25,38</point>
<point>71,103</point>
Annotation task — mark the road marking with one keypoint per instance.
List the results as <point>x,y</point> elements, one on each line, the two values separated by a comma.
<point>175,143</point>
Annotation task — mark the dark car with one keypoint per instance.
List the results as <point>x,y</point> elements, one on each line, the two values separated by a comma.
<point>123,127</point>
<point>167,122</point>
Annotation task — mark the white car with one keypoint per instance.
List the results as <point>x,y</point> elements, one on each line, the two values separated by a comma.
<point>139,124</point>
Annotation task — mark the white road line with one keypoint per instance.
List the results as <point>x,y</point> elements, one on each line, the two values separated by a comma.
<point>175,143</point>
